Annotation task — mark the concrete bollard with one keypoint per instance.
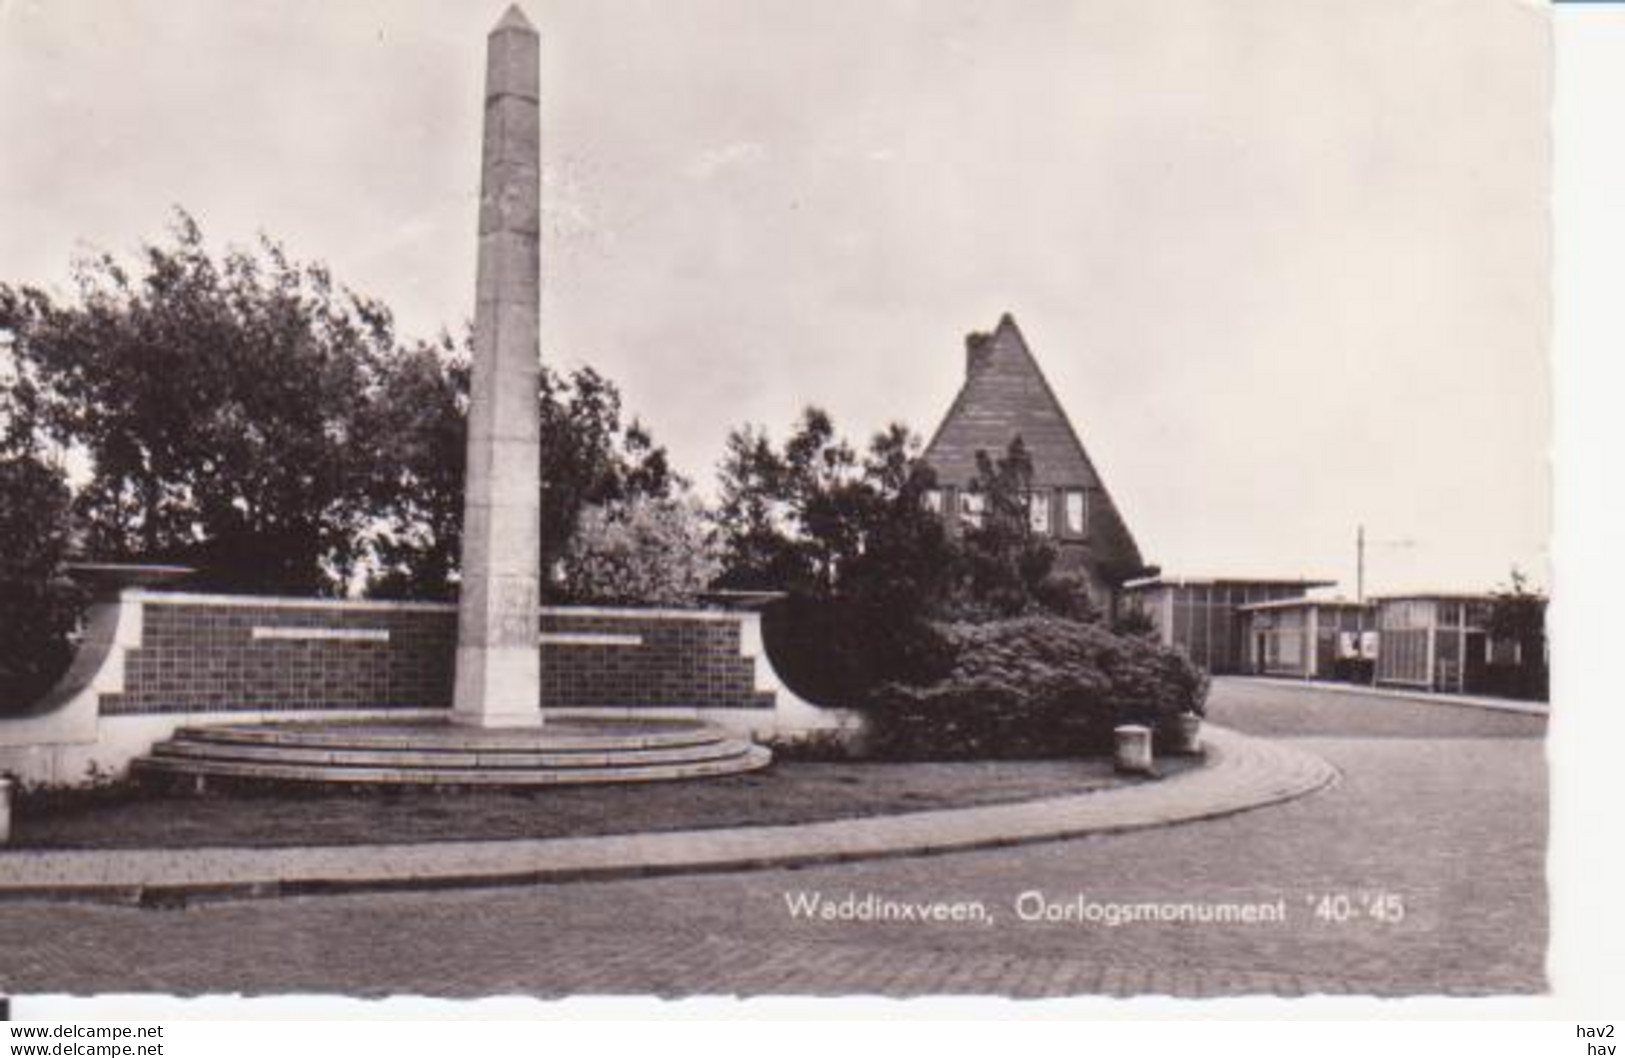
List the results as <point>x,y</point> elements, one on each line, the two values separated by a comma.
<point>1183,735</point>
<point>6,786</point>
<point>1133,749</point>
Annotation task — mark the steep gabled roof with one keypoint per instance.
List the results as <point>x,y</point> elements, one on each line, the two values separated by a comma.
<point>1005,395</point>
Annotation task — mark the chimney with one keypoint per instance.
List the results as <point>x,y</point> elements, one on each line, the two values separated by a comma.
<point>978,352</point>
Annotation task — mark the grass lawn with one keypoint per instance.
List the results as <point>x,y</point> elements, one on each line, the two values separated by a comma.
<point>788,792</point>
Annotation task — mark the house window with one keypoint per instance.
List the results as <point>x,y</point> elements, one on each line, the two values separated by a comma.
<point>1038,512</point>
<point>933,500</point>
<point>970,508</point>
<point>1077,515</point>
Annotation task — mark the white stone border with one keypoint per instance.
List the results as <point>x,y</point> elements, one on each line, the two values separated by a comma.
<point>286,602</point>
<point>281,602</point>
<point>624,612</point>
<point>294,632</point>
<point>590,639</point>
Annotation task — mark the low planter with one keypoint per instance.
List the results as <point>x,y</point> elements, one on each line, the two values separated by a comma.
<point>1182,736</point>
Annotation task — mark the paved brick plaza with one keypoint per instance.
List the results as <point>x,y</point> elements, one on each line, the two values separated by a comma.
<point>1442,807</point>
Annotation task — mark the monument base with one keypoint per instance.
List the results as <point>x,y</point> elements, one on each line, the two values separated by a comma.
<point>496,687</point>
<point>495,720</point>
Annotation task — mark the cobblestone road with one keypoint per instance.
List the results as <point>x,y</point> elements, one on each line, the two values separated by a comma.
<point>1443,809</point>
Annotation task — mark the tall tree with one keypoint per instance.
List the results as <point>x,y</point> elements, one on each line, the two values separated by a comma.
<point>640,551</point>
<point>867,565</point>
<point>416,431</point>
<point>849,538</point>
<point>248,416</point>
<point>1006,569</point>
<point>215,404</point>
<point>785,514</point>
<point>413,435</point>
<point>1518,615</point>
<point>591,456</point>
<point>811,517</point>
<point>38,607</point>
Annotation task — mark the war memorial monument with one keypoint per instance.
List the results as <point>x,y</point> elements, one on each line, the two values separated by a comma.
<point>496,691</point>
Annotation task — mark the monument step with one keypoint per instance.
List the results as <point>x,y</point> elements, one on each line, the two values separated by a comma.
<point>441,753</point>
<point>754,757</point>
<point>435,757</point>
<point>567,735</point>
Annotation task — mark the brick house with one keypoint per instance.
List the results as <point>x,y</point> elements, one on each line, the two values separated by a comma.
<point>1005,396</point>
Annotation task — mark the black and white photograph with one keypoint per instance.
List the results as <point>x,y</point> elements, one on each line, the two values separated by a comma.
<point>750,498</point>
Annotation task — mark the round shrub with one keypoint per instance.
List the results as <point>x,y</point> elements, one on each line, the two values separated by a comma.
<point>1031,687</point>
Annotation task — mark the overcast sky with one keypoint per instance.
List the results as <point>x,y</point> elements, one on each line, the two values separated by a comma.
<point>1285,261</point>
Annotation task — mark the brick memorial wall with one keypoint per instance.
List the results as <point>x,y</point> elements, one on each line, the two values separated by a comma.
<point>219,653</point>
<point>599,658</point>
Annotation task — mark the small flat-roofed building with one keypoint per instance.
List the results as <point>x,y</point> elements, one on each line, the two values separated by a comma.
<point>1202,616</point>
<point>1441,641</point>
<point>1311,639</point>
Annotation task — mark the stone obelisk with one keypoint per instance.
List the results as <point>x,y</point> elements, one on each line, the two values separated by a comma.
<point>498,656</point>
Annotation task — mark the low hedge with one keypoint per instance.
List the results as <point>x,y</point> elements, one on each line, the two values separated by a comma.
<point>1031,687</point>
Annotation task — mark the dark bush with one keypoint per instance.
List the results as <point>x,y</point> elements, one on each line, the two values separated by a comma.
<point>1134,621</point>
<point>38,606</point>
<point>1529,682</point>
<point>1031,687</point>
<point>835,651</point>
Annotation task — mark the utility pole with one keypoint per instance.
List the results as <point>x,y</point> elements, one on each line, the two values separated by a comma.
<point>1359,565</point>
<point>1359,557</point>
